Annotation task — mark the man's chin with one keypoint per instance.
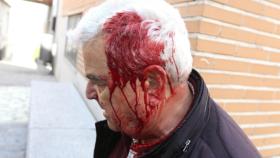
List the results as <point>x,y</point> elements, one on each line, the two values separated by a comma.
<point>112,126</point>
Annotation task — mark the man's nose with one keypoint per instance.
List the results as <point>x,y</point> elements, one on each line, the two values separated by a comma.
<point>91,92</point>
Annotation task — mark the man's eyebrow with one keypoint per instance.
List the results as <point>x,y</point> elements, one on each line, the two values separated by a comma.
<point>92,77</point>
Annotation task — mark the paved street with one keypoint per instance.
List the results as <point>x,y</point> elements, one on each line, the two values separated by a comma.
<point>14,104</point>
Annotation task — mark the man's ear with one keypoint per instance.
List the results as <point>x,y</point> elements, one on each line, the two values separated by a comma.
<point>155,81</point>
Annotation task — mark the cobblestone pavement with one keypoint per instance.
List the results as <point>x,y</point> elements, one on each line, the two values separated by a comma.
<point>14,104</point>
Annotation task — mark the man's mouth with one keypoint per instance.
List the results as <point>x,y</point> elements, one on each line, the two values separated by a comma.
<point>105,114</point>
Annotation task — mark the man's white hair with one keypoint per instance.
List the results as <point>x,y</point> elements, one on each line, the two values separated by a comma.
<point>176,53</point>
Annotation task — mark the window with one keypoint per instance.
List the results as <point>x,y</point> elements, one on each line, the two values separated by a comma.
<point>71,50</point>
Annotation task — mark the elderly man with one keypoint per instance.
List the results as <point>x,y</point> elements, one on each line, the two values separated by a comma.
<point>139,65</point>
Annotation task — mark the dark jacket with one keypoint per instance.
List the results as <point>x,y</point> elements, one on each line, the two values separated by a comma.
<point>207,132</point>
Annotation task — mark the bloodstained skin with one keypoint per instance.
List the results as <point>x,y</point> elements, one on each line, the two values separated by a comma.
<point>129,51</point>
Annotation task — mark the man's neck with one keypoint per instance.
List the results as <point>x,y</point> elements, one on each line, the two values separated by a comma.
<point>176,109</point>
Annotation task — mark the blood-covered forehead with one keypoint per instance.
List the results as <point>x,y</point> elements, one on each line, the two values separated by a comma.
<point>128,48</point>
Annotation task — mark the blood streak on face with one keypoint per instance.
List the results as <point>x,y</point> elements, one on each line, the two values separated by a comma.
<point>129,51</point>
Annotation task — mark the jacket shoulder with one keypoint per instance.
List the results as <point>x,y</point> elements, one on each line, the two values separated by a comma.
<point>227,135</point>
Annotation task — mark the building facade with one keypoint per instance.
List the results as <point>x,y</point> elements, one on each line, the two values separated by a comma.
<point>236,48</point>
<point>4,22</point>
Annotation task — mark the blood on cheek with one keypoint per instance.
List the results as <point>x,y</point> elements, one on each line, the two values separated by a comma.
<point>132,105</point>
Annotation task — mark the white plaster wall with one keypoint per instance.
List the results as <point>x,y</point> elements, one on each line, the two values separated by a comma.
<point>65,71</point>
